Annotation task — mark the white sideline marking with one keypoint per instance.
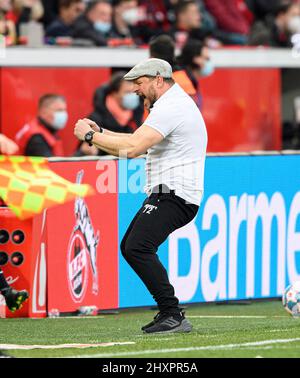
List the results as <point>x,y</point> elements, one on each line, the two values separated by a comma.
<point>235,316</point>
<point>191,349</point>
<point>61,346</point>
<point>228,316</point>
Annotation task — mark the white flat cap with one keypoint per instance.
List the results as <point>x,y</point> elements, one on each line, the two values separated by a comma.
<point>150,67</point>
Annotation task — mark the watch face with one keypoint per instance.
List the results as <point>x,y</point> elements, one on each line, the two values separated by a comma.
<point>89,136</point>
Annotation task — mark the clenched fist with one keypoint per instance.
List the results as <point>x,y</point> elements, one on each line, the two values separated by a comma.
<point>7,146</point>
<point>81,128</point>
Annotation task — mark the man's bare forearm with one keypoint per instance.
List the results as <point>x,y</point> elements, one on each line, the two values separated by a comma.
<point>113,145</point>
<point>112,133</point>
<point>108,151</point>
<point>129,146</point>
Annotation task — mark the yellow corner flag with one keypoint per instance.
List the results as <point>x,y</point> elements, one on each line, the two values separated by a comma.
<point>28,186</point>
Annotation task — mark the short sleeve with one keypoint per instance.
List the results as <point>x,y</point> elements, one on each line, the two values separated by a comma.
<point>164,120</point>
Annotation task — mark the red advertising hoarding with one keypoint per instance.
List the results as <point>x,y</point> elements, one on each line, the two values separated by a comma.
<point>82,244</point>
<point>24,262</point>
<point>242,109</point>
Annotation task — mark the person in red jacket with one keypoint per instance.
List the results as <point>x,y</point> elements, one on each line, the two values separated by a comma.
<point>232,18</point>
<point>39,136</point>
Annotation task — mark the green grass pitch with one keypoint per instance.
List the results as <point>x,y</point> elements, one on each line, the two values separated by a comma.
<point>261,329</point>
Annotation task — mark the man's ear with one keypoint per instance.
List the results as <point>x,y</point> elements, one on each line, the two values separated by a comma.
<point>160,81</point>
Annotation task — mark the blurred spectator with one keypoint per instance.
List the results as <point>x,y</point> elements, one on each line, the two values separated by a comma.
<point>195,60</point>
<point>188,22</point>
<point>7,146</point>
<point>126,15</point>
<point>39,136</point>
<point>277,28</point>
<point>155,19</point>
<point>95,24</point>
<point>50,11</point>
<point>291,127</point>
<point>25,11</point>
<point>5,6</point>
<point>7,27</point>
<point>232,21</point>
<point>163,47</point>
<point>207,21</point>
<point>69,10</point>
<point>261,8</point>
<point>170,10</point>
<point>116,108</point>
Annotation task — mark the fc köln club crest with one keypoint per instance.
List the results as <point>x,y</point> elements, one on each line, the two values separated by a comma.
<point>82,251</point>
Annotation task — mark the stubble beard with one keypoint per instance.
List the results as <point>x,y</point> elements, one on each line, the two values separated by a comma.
<point>152,97</point>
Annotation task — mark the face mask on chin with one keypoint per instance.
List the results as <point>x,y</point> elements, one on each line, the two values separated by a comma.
<point>208,69</point>
<point>130,101</point>
<point>60,120</point>
<point>102,27</point>
<point>131,16</point>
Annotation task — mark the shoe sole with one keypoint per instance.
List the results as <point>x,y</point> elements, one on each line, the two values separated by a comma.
<point>184,327</point>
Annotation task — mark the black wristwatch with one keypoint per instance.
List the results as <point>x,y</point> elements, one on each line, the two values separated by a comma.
<point>89,137</point>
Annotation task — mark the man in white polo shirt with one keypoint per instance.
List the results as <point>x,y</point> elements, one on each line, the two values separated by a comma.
<point>175,139</point>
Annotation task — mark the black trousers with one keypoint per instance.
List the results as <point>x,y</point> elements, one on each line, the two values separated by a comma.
<point>159,216</point>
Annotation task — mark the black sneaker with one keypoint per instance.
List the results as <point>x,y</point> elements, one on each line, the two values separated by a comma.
<point>156,318</point>
<point>14,298</point>
<point>170,324</point>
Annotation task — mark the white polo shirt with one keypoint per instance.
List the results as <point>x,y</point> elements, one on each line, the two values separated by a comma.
<point>179,160</point>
